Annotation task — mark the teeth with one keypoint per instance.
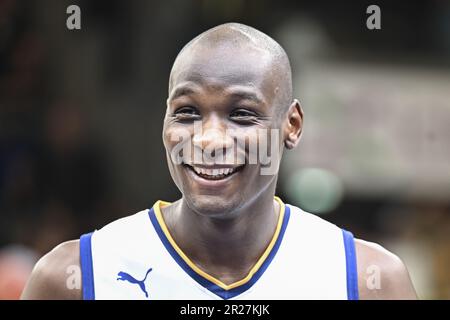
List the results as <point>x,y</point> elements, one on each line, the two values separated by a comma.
<point>213,172</point>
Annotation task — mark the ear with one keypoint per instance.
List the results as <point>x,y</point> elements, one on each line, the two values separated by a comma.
<point>293,125</point>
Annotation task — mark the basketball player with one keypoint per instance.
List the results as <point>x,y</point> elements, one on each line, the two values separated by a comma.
<point>229,236</point>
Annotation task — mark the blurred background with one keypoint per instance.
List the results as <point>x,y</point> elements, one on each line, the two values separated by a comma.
<point>81,117</point>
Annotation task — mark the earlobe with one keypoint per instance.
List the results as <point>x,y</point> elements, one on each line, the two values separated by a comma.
<point>288,144</point>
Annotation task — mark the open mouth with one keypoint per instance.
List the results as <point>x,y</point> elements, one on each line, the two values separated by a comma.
<point>213,173</point>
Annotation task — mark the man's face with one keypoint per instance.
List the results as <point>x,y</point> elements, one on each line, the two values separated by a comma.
<point>219,98</point>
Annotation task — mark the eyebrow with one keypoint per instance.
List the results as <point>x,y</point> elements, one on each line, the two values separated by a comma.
<point>245,95</point>
<point>237,94</point>
<point>182,91</point>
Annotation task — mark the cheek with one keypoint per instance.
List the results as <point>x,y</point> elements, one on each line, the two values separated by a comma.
<point>167,141</point>
<point>173,135</point>
<point>259,140</point>
<point>247,135</point>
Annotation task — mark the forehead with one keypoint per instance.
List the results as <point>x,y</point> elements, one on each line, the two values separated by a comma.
<point>225,66</point>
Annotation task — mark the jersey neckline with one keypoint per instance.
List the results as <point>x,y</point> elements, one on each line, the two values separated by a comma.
<point>206,280</point>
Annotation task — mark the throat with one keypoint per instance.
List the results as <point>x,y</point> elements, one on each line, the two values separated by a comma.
<point>227,274</point>
<point>225,250</point>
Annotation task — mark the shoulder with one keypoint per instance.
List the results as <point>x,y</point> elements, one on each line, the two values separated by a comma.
<point>381,274</point>
<point>57,275</point>
<point>311,222</point>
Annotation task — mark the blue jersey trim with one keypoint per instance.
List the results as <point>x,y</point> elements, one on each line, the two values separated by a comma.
<point>224,294</point>
<point>86,267</point>
<point>352,272</point>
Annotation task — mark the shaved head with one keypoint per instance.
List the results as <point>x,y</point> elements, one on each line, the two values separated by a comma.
<point>247,46</point>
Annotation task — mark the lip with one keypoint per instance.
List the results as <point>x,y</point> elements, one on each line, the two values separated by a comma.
<point>215,166</point>
<point>211,183</point>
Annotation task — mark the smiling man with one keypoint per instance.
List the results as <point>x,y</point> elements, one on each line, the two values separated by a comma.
<point>230,115</point>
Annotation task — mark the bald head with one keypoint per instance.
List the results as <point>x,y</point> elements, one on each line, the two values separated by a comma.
<point>239,52</point>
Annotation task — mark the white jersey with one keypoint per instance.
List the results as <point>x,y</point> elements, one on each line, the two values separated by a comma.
<point>136,258</point>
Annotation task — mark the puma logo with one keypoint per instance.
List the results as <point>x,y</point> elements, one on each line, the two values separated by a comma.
<point>123,276</point>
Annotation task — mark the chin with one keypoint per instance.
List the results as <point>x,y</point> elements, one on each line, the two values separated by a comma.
<point>215,206</point>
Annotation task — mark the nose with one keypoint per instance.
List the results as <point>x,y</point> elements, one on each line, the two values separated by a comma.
<point>211,133</point>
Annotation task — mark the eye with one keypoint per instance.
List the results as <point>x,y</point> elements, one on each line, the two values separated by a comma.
<point>243,115</point>
<point>187,113</point>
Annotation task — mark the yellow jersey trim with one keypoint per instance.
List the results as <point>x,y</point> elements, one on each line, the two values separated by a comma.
<point>255,268</point>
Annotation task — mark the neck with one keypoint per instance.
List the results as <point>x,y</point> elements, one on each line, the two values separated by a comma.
<point>225,248</point>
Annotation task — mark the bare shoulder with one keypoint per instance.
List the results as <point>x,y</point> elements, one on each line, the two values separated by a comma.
<point>381,274</point>
<point>57,275</point>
